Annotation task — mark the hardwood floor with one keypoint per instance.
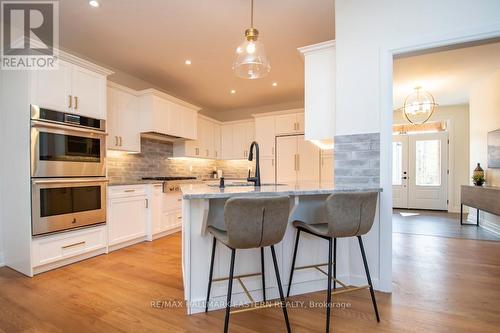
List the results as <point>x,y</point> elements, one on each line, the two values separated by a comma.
<point>434,223</point>
<point>440,285</point>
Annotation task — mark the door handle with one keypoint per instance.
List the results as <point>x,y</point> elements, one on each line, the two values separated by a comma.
<point>404,177</point>
<point>70,101</point>
<point>76,102</point>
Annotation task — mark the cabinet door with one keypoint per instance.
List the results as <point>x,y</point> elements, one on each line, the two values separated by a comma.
<point>286,154</point>
<point>207,141</point>
<point>188,121</point>
<point>240,141</point>
<point>52,89</point>
<point>286,124</point>
<point>217,142</point>
<point>156,208</point>
<point>267,170</point>
<point>123,121</point>
<point>300,123</point>
<point>127,219</point>
<point>250,134</point>
<point>327,166</point>
<point>112,122</point>
<point>89,92</point>
<point>307,160</point>
<point>227,142</point>
<point>265,134</point>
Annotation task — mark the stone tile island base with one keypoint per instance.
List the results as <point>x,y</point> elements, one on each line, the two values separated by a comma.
<point>203,206</point>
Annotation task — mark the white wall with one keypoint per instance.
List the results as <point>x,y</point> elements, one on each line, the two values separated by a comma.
<point>458,164</point>
<point>485,117</point>
<point>366,33</point>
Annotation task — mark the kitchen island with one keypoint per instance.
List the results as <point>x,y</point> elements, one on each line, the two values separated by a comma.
<point>203,205</point>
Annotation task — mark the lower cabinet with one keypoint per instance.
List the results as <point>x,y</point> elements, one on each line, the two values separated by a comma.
<point>127,213</point>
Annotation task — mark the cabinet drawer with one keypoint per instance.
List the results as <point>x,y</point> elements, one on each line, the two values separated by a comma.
<point>171,220</point>
<point>126,190</point>
<point>57,247</point>
<point>172,202</point>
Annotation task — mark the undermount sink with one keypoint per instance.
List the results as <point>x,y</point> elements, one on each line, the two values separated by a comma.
<point>237,184</point>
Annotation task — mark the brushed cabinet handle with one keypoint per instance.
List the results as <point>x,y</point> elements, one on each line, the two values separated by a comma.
<point>70,101</point>
<point>207,152</point>
<point>216,153</point>
<point>179,217</point>
<point>295,162</point>
<point>76,102</point>
<point>272,150</point>
<point>116,141</point>
<point>298,162</point>
<point>197,151</point>
<point>74,244</point>
<point>147,203</point>
<point>129,190</point>
<point>121,141</point>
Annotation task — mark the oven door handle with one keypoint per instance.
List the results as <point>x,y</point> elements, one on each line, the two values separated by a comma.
<point>48,124</point>
<point>69,180</point>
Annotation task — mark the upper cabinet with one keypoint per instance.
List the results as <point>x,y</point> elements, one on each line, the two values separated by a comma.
<point>163,114</point>
<point>76,87</point>
<point>236,139</point>
<point>319,83</point>
<point>123,119</point>
<point>265,132</point>
<point>207,145</point>
<point>290,124</point>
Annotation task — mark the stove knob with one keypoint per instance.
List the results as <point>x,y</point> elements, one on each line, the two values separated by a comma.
<point>171,188</point>
<point>177,188</point>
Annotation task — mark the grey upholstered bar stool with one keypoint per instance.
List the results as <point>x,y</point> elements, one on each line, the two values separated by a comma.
<point>348,214</point>
<point>251,223</point>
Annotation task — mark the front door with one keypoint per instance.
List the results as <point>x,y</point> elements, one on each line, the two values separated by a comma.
<point>420,171</point>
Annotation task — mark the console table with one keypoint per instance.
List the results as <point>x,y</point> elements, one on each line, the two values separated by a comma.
<point>485,198</point>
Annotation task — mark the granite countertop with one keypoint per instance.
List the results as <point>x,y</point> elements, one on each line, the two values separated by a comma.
<point>202,191</point>
<point>134,182</point>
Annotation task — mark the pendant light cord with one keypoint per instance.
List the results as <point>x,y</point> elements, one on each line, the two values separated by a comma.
<point>251,15</point>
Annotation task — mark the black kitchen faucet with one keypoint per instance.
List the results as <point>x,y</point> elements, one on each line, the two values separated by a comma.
<point>256,179</point>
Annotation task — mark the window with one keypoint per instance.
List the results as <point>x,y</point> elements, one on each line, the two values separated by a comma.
<point>397,163</point>
<point>428,162</point>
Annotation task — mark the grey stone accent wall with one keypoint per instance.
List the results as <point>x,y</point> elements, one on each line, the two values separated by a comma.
<point>154,161</point>
<point>357,160</point>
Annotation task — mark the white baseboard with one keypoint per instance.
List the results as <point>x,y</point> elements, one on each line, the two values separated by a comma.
<point>483,222</point>
<point>2,262</point>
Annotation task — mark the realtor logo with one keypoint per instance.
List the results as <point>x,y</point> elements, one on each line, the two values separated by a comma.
<point>30,34</point>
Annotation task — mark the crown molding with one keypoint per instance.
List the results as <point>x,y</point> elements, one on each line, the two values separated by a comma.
<point>160,94</point>
<point>317,47</point>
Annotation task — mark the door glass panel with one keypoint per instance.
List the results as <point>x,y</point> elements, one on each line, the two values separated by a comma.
<point>69,148</point>
<point>397,163</point>
<point>66,200</point>
<point>428,163</point>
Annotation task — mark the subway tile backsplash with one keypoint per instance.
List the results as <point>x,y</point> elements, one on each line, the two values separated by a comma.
<point>357,160</point>
<point>154,160</point>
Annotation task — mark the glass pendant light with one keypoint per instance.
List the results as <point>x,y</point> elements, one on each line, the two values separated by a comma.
<point>251,61</point>
<point>419,106</point>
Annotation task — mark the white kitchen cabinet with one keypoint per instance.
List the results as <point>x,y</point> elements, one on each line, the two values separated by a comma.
<point>319,91</point>
<point>236,139</point>
<point>207,145</point>
<point>52,89</point>
<point>127,215</point>
<point>265,132</point>
<point>292,123</point>
<point>163,114</point>
<point>123,119</point>
<point>267,170</point>
<point>296,160</point>
<point>217,154</point>
<point>52,251</point>
<point>71,88</point>
<point>327,166</point>
<point>155,210</point>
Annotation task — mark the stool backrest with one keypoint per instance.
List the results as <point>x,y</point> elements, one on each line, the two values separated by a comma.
<point>351,213</point>
<point>256,222</point>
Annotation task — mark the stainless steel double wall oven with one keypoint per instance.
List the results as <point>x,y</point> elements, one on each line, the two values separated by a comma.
<point>68,171</point>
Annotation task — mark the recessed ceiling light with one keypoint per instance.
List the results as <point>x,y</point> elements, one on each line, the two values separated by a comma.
<point>275,84</point>
<point>187,62</point>
<point>233,91</point>
<point>94,3</point>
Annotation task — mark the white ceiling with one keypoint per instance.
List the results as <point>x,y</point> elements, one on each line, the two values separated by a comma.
<point>151,39</point>
<point>448,75</point>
